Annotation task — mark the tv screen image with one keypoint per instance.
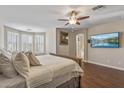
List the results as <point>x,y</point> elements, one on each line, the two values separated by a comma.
<point>110,40</point>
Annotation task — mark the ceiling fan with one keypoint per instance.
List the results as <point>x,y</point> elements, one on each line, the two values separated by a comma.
<point>73,19</point>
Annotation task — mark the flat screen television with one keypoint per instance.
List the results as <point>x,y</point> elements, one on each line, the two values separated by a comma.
<point>110,40</point>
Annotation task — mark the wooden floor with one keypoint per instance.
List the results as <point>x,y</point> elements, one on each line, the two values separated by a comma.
<point>96,76</point>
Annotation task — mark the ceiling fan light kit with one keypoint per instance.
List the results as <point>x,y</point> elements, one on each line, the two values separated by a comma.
<point>73,19</point>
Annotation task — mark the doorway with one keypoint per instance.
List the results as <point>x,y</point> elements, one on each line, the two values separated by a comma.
<point>80,46</point>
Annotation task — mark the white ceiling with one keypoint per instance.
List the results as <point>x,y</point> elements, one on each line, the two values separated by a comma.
<point>40,17</point>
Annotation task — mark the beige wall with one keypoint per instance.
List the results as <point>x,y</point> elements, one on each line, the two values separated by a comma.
<point>70,49</point>
<point>113,57</point>
<point>1,36</point>
<point>72,44</point>
<point>51,41</point>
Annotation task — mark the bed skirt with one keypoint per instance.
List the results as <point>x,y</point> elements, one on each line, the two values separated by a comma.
<point>73,83</point>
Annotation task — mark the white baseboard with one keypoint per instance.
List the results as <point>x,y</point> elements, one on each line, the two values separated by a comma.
<point>109,66</point>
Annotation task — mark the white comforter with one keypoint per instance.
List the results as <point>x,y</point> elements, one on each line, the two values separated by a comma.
<point>52,67</point>
<point>59,65</point>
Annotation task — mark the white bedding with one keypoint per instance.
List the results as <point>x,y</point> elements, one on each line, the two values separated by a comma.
<point>59,65</point>
<point>39,75</point>
<point>15,82</point>
<point>52,67</point>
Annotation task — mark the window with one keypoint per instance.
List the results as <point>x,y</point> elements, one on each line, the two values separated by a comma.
<point>25,41</point>
<point>12,41</point>
<point>39,44</point>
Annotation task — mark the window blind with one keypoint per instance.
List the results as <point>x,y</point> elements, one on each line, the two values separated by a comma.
<point>12,41</point>
<point>39,44</point>
<point>26,42</point>
<point>21,41</point>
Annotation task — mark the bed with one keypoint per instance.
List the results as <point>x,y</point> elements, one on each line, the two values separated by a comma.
<point>55,72</point>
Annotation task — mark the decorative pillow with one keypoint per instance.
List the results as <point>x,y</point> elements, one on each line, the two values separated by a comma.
<point>6,65</point>
<point>6,53</point>
<point>22,64</point>
<point>33,60</point>
<point>8,70</point>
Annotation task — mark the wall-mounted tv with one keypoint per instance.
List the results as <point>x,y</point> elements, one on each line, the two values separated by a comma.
<point>110,40</point>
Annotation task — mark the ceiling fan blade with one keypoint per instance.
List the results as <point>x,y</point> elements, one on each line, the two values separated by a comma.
<point>66,24</point>
<point>63,20</point>
<point>78,23</point>
<point>81,18</point>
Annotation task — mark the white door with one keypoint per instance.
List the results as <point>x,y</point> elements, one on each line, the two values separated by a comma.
<point>80,46</point>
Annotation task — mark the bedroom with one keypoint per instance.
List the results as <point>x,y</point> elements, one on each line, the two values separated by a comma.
<point>37,29</point>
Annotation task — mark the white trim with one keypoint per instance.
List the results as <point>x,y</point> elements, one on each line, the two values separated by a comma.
<point>109,66</point>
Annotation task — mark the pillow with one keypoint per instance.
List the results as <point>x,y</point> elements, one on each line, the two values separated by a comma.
<point>4,52</point>
<point>8,70</point>
<point>33,60</point>
<point>6,65</point>
<point>22,64</point>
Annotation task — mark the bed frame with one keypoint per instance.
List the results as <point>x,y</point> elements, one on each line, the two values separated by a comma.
<point>74,82</point>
